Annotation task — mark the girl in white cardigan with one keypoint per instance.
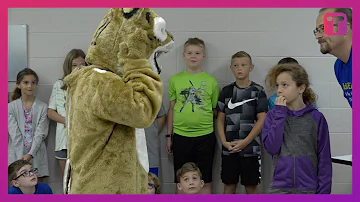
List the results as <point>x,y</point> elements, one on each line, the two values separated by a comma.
<point>28,124</point>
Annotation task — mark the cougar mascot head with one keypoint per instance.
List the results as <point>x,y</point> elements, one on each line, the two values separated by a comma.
<point>110,101</point>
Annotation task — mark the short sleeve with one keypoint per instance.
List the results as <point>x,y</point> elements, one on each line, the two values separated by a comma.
<point>221,101</point>
<point>54,92</point>
<point>172,89</point>
<point>262,103</point>
<point>215,95</point>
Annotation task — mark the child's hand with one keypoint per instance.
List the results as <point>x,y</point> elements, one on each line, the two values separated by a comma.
<point>238,145</point>
<point>228,145</point>
<point>26,157</point>
<point>280,101</point>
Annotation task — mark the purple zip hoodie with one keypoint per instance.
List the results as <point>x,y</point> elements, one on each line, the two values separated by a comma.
<point>300,145</point>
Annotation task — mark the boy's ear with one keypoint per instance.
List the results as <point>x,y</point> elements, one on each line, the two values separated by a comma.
<point>202,183</point>
<point>179,186</point>
<point>14,183</point>
<point>251,67</point>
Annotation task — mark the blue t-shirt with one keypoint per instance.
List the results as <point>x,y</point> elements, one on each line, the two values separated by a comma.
<point>272,99</point>
<point>343,73</point>
<point>40,188</point>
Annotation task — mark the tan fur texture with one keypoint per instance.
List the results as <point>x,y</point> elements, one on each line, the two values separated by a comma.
<point>105,106</point>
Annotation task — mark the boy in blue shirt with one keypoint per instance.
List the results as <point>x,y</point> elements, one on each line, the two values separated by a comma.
<point>24,180</point>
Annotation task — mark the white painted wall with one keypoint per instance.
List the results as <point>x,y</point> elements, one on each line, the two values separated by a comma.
<point>266,34</point>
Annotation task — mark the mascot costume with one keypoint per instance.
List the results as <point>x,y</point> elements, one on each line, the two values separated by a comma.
<point>111,100</point>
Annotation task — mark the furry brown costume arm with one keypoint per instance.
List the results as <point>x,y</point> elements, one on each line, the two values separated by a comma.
<point>133,100</point>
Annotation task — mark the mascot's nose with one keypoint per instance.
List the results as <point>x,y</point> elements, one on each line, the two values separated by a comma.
<point>160,29</point>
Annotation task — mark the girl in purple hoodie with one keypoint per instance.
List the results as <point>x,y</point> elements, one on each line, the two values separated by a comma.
<point>296,135</point>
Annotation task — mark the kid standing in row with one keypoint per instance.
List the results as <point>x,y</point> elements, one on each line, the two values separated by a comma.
<point>297,135</point>
<point>193,96</point>
<point>28,124</point>
<point>287,60</point>
<point>274,96</point>
<point>242,109</point>
<point>56,111</point>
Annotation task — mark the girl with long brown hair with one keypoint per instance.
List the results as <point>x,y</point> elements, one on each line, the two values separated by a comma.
<point>56,112</point>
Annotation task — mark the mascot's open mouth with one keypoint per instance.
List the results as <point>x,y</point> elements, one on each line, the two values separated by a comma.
<point>156,54</point>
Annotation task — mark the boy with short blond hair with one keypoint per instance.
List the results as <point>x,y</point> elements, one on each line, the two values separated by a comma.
<point>193,96</point>
<point>242,108</point>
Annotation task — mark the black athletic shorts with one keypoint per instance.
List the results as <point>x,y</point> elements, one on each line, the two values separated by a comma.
<point>199,150</point>
<point>234,166</point>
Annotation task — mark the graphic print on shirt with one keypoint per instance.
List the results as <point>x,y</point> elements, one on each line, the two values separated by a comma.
<point>343,73</point>
<point>241,118</point>
<point>347,88</point>
<point>234,105</point>
<point>241,106</point>
<point>194,96</point>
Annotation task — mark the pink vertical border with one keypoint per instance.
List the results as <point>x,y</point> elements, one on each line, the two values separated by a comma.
<point>171,4</point>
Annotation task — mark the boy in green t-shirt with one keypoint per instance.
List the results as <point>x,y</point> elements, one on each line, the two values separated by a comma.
<point>193,96</point>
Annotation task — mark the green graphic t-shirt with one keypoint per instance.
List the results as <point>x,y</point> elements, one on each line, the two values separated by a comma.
<point>196,96</point>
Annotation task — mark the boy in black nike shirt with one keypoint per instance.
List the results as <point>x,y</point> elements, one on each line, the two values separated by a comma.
<point>242,109</point>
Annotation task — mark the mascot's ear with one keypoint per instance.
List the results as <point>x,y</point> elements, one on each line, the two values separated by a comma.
<point>129,12</point>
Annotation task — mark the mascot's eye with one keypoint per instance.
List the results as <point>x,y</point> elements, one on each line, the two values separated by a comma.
<point>160,29</point>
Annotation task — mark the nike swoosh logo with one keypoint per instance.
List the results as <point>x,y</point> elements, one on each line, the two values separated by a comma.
<point>233,105</point>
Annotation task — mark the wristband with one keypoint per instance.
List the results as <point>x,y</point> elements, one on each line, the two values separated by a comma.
<point>168,135</point>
